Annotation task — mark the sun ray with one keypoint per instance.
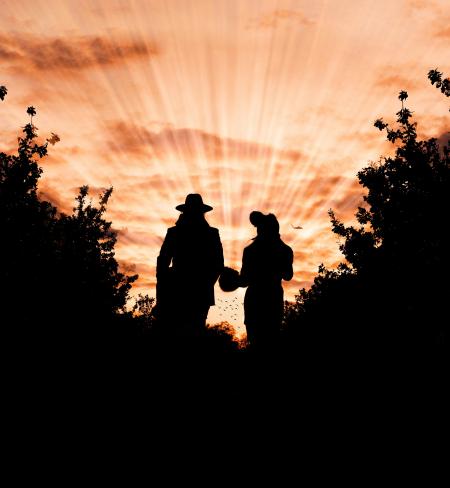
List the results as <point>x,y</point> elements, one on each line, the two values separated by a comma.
<point>262,104</point>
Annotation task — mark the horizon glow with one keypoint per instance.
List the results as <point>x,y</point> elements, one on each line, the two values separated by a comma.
<point>257,105</point>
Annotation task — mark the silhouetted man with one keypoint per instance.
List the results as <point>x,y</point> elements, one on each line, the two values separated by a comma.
<point>185,290</point>
<point>265,262</point>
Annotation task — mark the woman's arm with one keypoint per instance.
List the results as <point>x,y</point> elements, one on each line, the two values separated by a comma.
<point>288,272</point>
<point>245,271</point>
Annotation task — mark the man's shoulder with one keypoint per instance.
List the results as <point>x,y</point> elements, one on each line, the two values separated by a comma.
<point>250,247</point>
<point>212,232</point>
<point>171,231</point>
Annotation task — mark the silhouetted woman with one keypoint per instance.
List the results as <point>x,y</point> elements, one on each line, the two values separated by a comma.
<point>265,262</point>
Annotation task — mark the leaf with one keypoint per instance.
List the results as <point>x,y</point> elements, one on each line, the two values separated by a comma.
<point>403,95</point>
<point>31,111</point>
<point>30,131</point>
<point>379,124</point>
<point>3,92</point>
<point>53,139</point>
<point>404,115</point>
<point>434,76</point>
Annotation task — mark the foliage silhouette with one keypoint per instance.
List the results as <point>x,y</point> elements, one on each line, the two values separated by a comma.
<point>389,295</point>
<point>435,77</point>
<point>61,289</point>
<point>59,276</point>
<point>61,283</point>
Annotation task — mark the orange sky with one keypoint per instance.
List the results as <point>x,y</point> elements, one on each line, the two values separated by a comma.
<point>257,105</point>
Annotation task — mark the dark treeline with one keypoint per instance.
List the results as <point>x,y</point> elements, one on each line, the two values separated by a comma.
<point>62,290</point>
<point>388,298</point>
<point>59,277</point>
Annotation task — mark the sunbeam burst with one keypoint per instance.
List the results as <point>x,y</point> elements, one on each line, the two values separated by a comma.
<point>257,104</point>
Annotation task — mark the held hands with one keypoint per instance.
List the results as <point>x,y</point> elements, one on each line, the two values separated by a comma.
<point>230,279</point>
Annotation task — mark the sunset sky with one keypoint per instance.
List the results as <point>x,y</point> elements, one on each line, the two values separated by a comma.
<point>256,104</point>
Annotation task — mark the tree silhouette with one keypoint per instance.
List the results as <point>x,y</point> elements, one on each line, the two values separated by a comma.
<point>59,276</point>
<point>391,290</point>
<point>60,281</point>
<point>435,77</point>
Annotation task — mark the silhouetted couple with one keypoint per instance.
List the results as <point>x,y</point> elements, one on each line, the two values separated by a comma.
<point>191,261</point>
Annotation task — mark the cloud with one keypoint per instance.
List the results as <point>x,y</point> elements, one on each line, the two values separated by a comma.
<point>7,53</point>
<point>273,18</point>
<point>127,267</point>
<point>156,181</point>
<point>398,82</point>
<point>44,54</point>
<point>300,256</point>
<point>135,238</point>
<point>131,267</point>
<point>436,126</point>
<point>50,194</point>
<point>344,203</point>
<point>8,141</point>
<point>321,185</point>
<point>146,282</point>
<point>190,144</point>
<point>443,33</point>
<point>413,5</point>
<point>438,11</point>
<point>62,155</point>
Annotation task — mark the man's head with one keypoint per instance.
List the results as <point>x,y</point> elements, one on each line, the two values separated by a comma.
<point>193,205</point>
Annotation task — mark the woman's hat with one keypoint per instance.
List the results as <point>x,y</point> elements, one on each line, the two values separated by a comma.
<point>265,223</point>
<point>194,202</point>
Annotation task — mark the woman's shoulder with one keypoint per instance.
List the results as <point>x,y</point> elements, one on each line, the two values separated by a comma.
<point>286,248</point>
<point>284,245</point>
<point>286,251</point>
<point>255,248</point>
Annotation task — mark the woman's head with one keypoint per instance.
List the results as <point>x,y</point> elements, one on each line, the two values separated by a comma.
<point>266,224</point>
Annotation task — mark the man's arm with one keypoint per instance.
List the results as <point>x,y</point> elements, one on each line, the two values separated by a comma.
<point>218,256</point>
<point>165,255</point>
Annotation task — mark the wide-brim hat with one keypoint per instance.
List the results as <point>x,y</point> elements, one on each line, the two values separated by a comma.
<point>194,202</point>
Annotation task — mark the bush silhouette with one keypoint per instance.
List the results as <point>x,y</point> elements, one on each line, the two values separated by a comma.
<point>443,85</point>
<point>59,276</point>
<point>390,293</point>
<point>61,284</point>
